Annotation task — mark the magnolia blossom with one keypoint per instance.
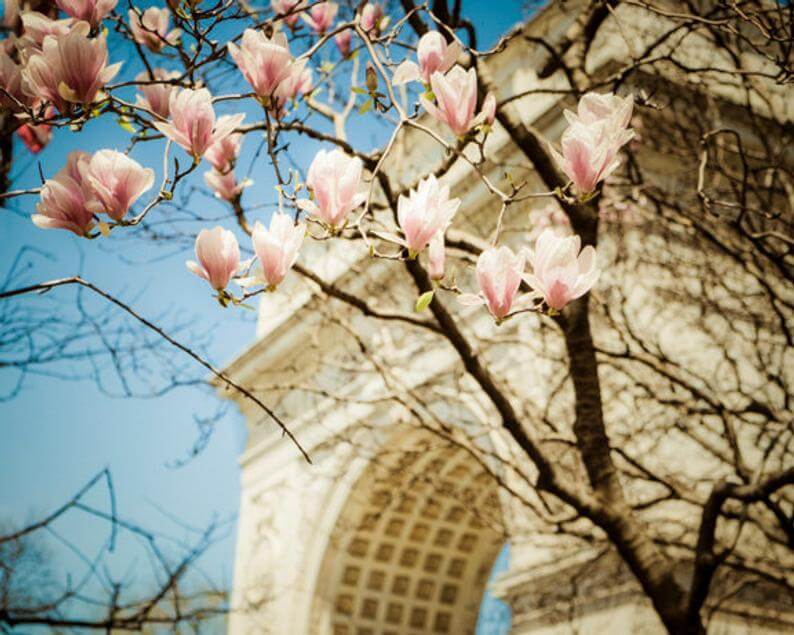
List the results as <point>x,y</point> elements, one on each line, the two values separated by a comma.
<point>264,62</point>
<point>35,138</point>
<point>425,212</point>
<point>371,16</point>
<point>334,179</point>
<point>277,247</point>
<point>588,156</point>
<point>92,11</point>
<point>35,27</point>
<point>436,256</point>
<point>344,42</point>
<point>115,181</point>
<point>224,184</point>
<point>155,97</point>
<point>499,273</point>
<point>434,55</point>
<point>456,100</point>
<point>559,271</point>
<point>321,16</point>
<point>63,203</point>
<point>70,69</point>
<point>591,143</point>
<point>296,84</point>
<point>597,108</point>
<point>283,7</point>
<point>193,125</point>
<point>218,256</point>
<point>223,153</point>
<point>150,28</point>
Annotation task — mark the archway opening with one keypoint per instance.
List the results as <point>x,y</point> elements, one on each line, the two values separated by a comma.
<point>413,547</point>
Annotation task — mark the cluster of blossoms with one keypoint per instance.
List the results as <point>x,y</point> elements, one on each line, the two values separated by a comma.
<point>276,249</point>
<point>63,65</point>
<point>59,64</point>
<point>560,273</point>
<point>320,16</point>
<point>108,182</point>
<point>55,66</point>
<point>454,89</point>
<point>222,156</point>
<point>595,134</point>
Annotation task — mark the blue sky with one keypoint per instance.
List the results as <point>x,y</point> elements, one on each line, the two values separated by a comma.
<point>56,434</point>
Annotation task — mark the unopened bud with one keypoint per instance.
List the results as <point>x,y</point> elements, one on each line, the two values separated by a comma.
<point>372,78</point>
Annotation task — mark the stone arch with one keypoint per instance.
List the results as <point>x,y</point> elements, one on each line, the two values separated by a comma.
<point>413,546</point>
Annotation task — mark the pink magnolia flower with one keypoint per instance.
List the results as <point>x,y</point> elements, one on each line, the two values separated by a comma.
<point>70,69</point>
<point>35,27</point>
<point>334,178</point>
<point>436,256</point>
<point>35,138</point>
<point>559,271</point>
<point>425,212</point>
<point>115,182</point>
<point>499,273</point>
<point>223,153</point>
<point>91,11</point>
<point>321,16</point>
<point>277,247</point>
<point>283,7</point>
<point>588,156</point>
<point>150,28</point>
<point>591,143</point>
<point>218,256</point>
<point>72,167</point>
<point>155,97</point>
<point>344,42</point>
<point>193,125</point>
<point>264,62</point>
<point>63,203</point>
<point>456,100</point>
<point>224,184</point>
<point>371,16</point>
<point>296,84</point>
<point>434,55</point>
<point>596,108</point>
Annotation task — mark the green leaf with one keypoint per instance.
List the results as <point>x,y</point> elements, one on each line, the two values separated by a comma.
<point>126,125</point>
<point>423,301</point>
<point>358,90</point>
<point>365,107</point>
